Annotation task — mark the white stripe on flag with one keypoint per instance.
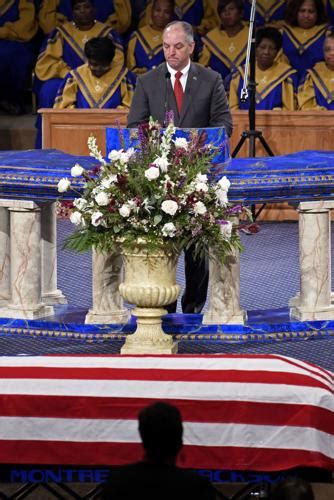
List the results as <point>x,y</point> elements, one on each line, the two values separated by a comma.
<point>203,391</point>
<point>158,362</point>
<point>198,434</point>
<point>170,363</point>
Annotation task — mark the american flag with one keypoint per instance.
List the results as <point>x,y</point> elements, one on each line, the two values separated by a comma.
<point>249,412</point>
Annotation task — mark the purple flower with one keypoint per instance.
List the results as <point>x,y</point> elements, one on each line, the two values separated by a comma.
<point>169,117</point>
<point>237,209</point>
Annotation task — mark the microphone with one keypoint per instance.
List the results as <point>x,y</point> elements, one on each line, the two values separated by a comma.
<point>167,79</point>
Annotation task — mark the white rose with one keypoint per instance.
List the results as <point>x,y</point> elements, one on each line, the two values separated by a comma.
<point>96,218</point>
<point>152,173</point>
<point>169,207</point>
<point>224,183</point>
<point>221,196</point>
<point>181,142</point>
<point>169,230</point>
<point>201,186</point>
<point>201,178</point>
<point>115,155</point>
<point>162,163</point>
<point>102,199</point>
<point>80,203</point>
<point>199,208</point>
<point>125,210</point>
<point>77,170</point>
<point>64,185</point>
<point>76,218</point>
<point>226,229</point>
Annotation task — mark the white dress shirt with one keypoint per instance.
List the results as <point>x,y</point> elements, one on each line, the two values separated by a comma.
<point>184,77</point>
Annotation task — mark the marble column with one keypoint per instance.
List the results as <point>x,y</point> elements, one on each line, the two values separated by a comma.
<point>25,262</point>
<point>224,292</point>
<point>4,256</point>
<point>50,293</point>
<point>107,302</point>
<point>314,302</point>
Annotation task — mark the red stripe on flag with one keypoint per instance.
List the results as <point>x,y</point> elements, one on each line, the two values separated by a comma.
<point>162,375</point>
<point>197,457</point>
<point>237,412</point>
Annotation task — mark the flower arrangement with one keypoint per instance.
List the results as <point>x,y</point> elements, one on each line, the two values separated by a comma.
<point>157,194</point>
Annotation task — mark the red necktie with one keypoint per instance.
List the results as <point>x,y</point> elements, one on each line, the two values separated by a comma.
<point>178,90</point>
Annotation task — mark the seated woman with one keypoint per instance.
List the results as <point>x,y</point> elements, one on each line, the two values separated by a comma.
<point>17,52</point>
<point>267,11</point>
<point>224,47</point>
<point>201,14</point>
<point>317,88</point>
<point>275,81</point>
<point>100,83</point>
<point>115,13</point>
<point>64,50</point>
<point>304,33</point>
<point>145,46</point>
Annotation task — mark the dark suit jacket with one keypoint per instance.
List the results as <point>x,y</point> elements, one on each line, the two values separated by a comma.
<point>157,482</point>
<point>204,101</point>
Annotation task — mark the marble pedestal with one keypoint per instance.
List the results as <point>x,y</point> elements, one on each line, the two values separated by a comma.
<point>51,295</point>
<point>24,299</point>
<point>315,299</point>
<point>108,304</point>
<point>224,292</point>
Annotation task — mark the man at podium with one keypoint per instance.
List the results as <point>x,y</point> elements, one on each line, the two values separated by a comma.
<point>197,98</point>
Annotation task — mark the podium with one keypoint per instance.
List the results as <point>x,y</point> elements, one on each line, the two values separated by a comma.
<point>217,136</point>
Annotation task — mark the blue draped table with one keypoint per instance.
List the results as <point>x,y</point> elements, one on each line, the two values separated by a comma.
<point>307,175</point>
<point>305,178</point>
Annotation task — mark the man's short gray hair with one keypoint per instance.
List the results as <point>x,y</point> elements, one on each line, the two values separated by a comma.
<point>187,28</point>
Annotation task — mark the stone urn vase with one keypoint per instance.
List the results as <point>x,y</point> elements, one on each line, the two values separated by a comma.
<point>149,283</point>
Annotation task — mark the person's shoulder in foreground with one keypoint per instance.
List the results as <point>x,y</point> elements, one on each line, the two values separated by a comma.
<point>157,477</point>
<point>157,482</point>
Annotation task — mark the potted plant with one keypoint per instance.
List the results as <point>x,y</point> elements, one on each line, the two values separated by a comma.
<point>149,202</point>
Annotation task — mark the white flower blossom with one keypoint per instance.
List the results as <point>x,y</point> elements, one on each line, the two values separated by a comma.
<point>96,190</point>
<point>221,196</point>
<point>169,207</point>
<point>226,229</point>
<point>97,218</point>
<point>169,230</point>
<point>146,205</point>
<point>102,199</point>
<point>77,170</point>
<point>64,185</point>
<point>224,183</point>
<point>76,218</point>
<point>162,162</point>
<point>124,158</point>
<point>94,150</point>
<point>115,155</point>
<point>152,173</point>
<point>201,186</point>
<point>181,143</point>
<point>202,178</point>
<point>133,205</point>
<point>125,210</point>
<point>80,203</point>
<point>108,181</point>
<point>199,208</point>
<point>130,152</point>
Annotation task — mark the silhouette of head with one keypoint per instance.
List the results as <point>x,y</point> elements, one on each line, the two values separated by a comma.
<point>293,489</point>
<point>160,428</point>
